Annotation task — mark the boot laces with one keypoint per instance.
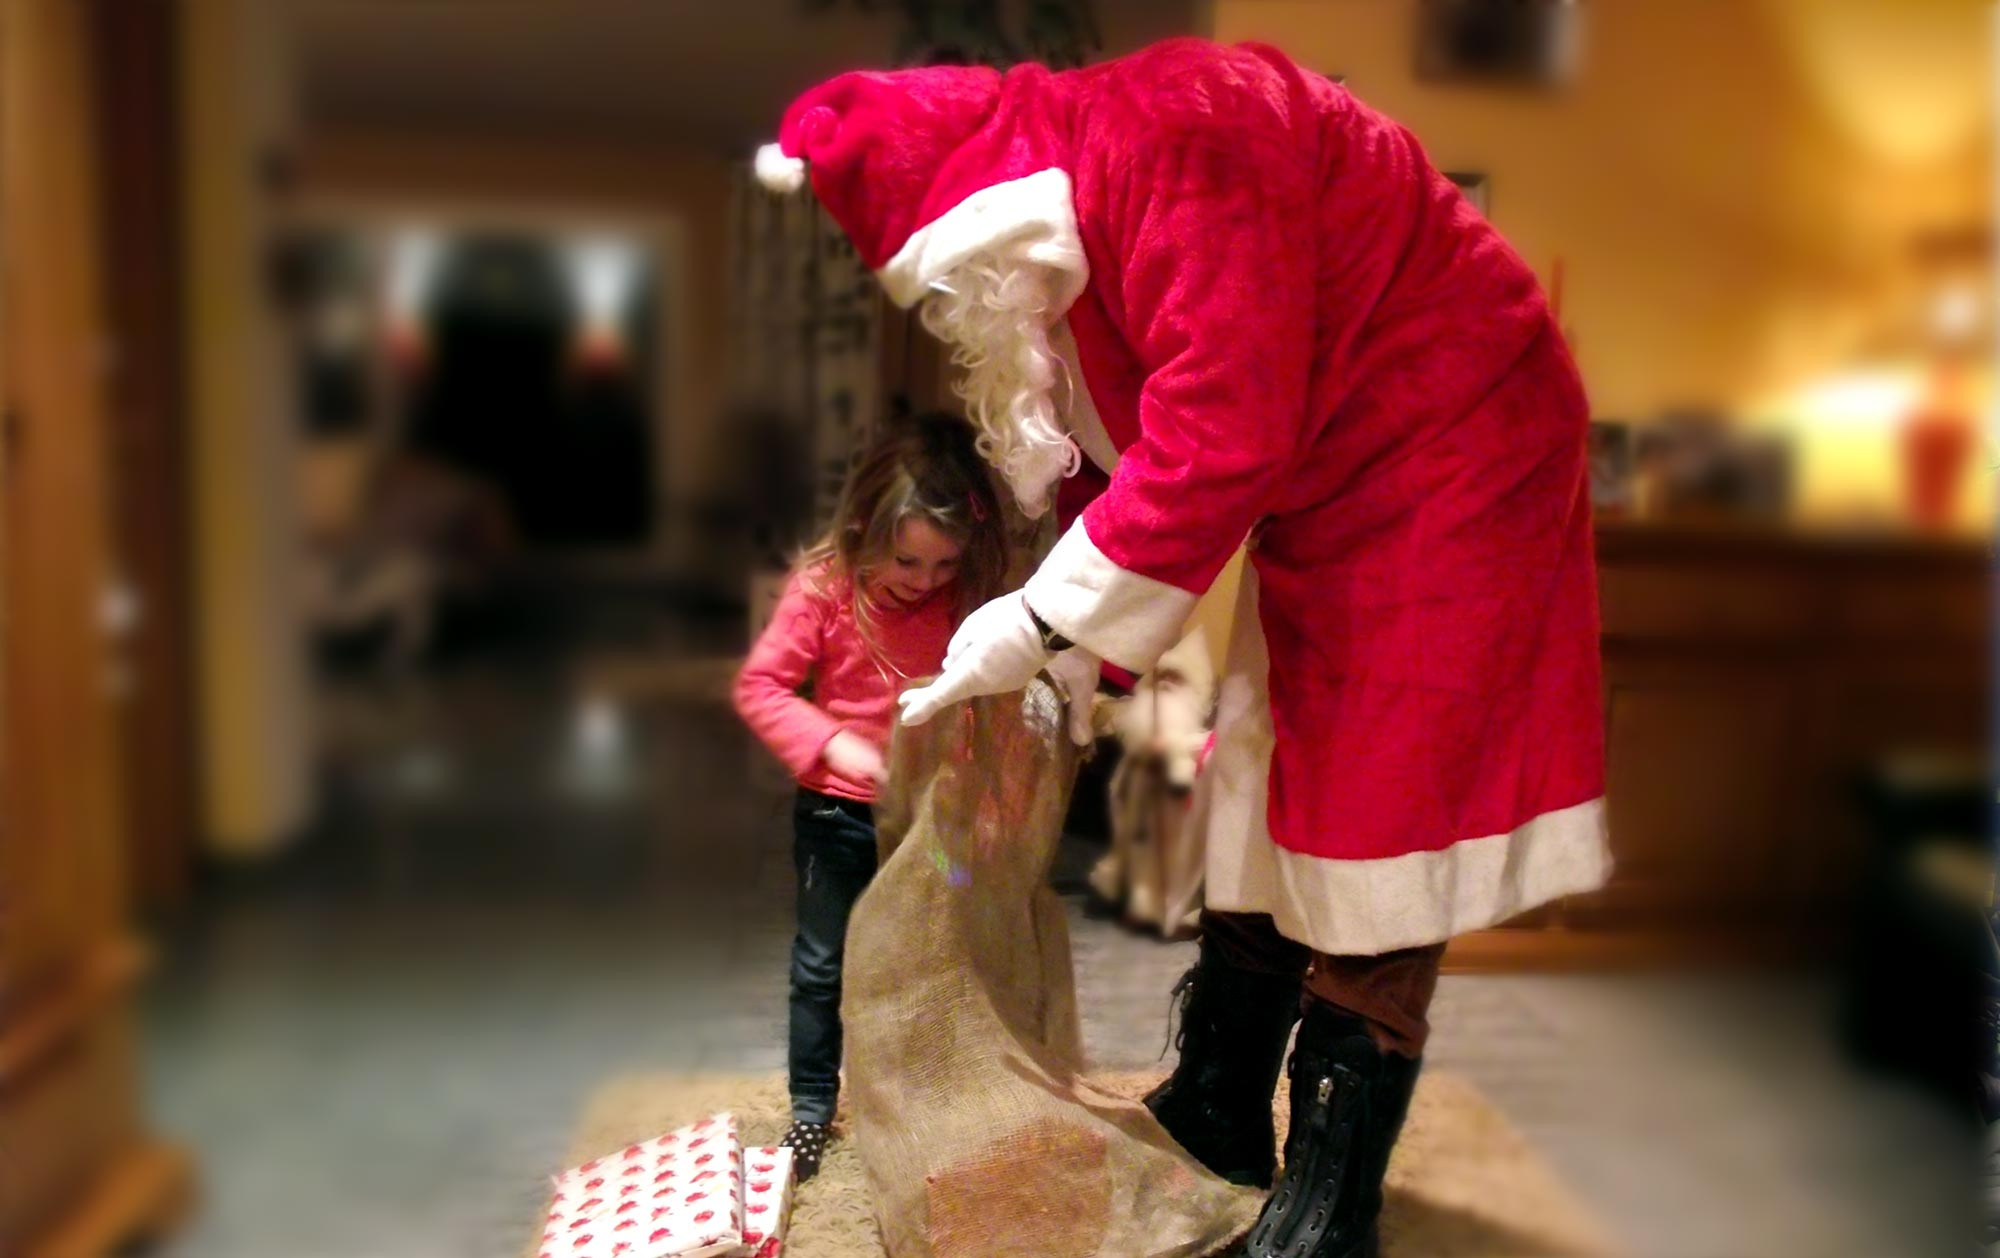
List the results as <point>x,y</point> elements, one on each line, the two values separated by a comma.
<point>1177,1004</point>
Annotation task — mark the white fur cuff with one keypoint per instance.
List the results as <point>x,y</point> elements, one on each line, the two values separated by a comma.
<point>1128,619</point>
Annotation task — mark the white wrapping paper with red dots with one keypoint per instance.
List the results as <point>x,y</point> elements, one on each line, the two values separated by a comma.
<point>680,1196</point>
<point>767,1199</point>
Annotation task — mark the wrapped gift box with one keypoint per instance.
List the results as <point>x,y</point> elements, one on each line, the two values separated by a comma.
<point>767,1200</point>
<point>680,1196</point>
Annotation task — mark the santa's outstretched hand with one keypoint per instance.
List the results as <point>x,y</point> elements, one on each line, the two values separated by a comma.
<point>999,649</point>
<point>996,650</point>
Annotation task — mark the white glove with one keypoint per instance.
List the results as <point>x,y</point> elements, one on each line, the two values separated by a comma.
<point>1076,670</point>
<point>996,650</point>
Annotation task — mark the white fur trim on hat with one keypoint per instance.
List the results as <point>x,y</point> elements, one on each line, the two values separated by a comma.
<point>778,172</point>
<point>1034,215</point>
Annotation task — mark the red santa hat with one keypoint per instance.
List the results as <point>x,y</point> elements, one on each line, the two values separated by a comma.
<point>924,169</point>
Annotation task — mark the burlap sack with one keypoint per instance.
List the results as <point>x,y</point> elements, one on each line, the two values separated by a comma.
<point>977,1130</point>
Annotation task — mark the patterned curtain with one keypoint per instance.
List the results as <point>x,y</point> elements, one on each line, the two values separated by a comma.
<point>806,340</point>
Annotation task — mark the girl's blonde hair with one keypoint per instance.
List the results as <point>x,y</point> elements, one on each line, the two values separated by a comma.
<point>928,468</point>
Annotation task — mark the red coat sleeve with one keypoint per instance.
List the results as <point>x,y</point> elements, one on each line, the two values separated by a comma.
<point>1218,297</point>
<point>767,689</point>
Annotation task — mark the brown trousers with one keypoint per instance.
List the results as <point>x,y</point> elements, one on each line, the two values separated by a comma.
<point>1391,993</point>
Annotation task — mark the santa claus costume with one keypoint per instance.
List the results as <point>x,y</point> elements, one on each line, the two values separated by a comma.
<point>1255,309</point>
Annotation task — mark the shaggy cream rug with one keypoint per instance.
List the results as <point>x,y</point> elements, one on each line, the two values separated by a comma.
<point>1463,1185</point>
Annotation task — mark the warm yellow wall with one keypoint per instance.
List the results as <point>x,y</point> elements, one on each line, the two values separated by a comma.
<point>1730,183</point>
<point>1215,614</point>
<point>250,644</point>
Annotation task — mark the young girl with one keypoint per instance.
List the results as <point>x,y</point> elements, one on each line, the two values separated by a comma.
<point>918,542</point>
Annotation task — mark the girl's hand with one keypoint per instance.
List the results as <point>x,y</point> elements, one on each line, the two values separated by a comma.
<point>852,756</point>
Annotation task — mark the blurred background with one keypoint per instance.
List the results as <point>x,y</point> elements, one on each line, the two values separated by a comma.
<point>410,405</point>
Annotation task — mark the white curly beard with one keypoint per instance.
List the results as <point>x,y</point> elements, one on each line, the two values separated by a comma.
<point>995,311</point>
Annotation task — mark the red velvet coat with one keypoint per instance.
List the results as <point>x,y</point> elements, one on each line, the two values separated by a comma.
<point>1291,328</point>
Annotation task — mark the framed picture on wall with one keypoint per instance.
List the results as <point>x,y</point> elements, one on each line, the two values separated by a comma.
<point>1518,43</point>
<point>1477,188</point>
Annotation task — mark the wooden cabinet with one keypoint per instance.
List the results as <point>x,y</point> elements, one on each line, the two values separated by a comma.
<point>1703,752</point>
<point>78,1174</point>
<point>1749,680</point>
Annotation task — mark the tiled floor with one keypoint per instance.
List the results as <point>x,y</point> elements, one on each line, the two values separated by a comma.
<point>539,869</point>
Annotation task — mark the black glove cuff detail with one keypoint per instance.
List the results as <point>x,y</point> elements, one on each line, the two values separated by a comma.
<point>1053,642</point>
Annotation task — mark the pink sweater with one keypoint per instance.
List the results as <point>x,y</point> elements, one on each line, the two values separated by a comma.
<point>813,638</point>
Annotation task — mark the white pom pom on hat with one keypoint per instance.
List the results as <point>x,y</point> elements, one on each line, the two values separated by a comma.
<point>778,172</point>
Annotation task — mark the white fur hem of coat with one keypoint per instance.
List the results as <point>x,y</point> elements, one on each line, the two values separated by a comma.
<point>1365,907</point>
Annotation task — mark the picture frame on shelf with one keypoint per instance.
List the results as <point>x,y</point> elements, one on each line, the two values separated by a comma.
<point>1477,188</point>
<point>1700,464</point>
<point>1613,468</point>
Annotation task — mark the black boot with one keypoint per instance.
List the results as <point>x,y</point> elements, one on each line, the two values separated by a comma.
<point>1348,1103</point>
<point>1217,1103</point>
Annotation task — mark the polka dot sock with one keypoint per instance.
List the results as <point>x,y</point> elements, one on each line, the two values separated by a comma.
<point>807,1141</point>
